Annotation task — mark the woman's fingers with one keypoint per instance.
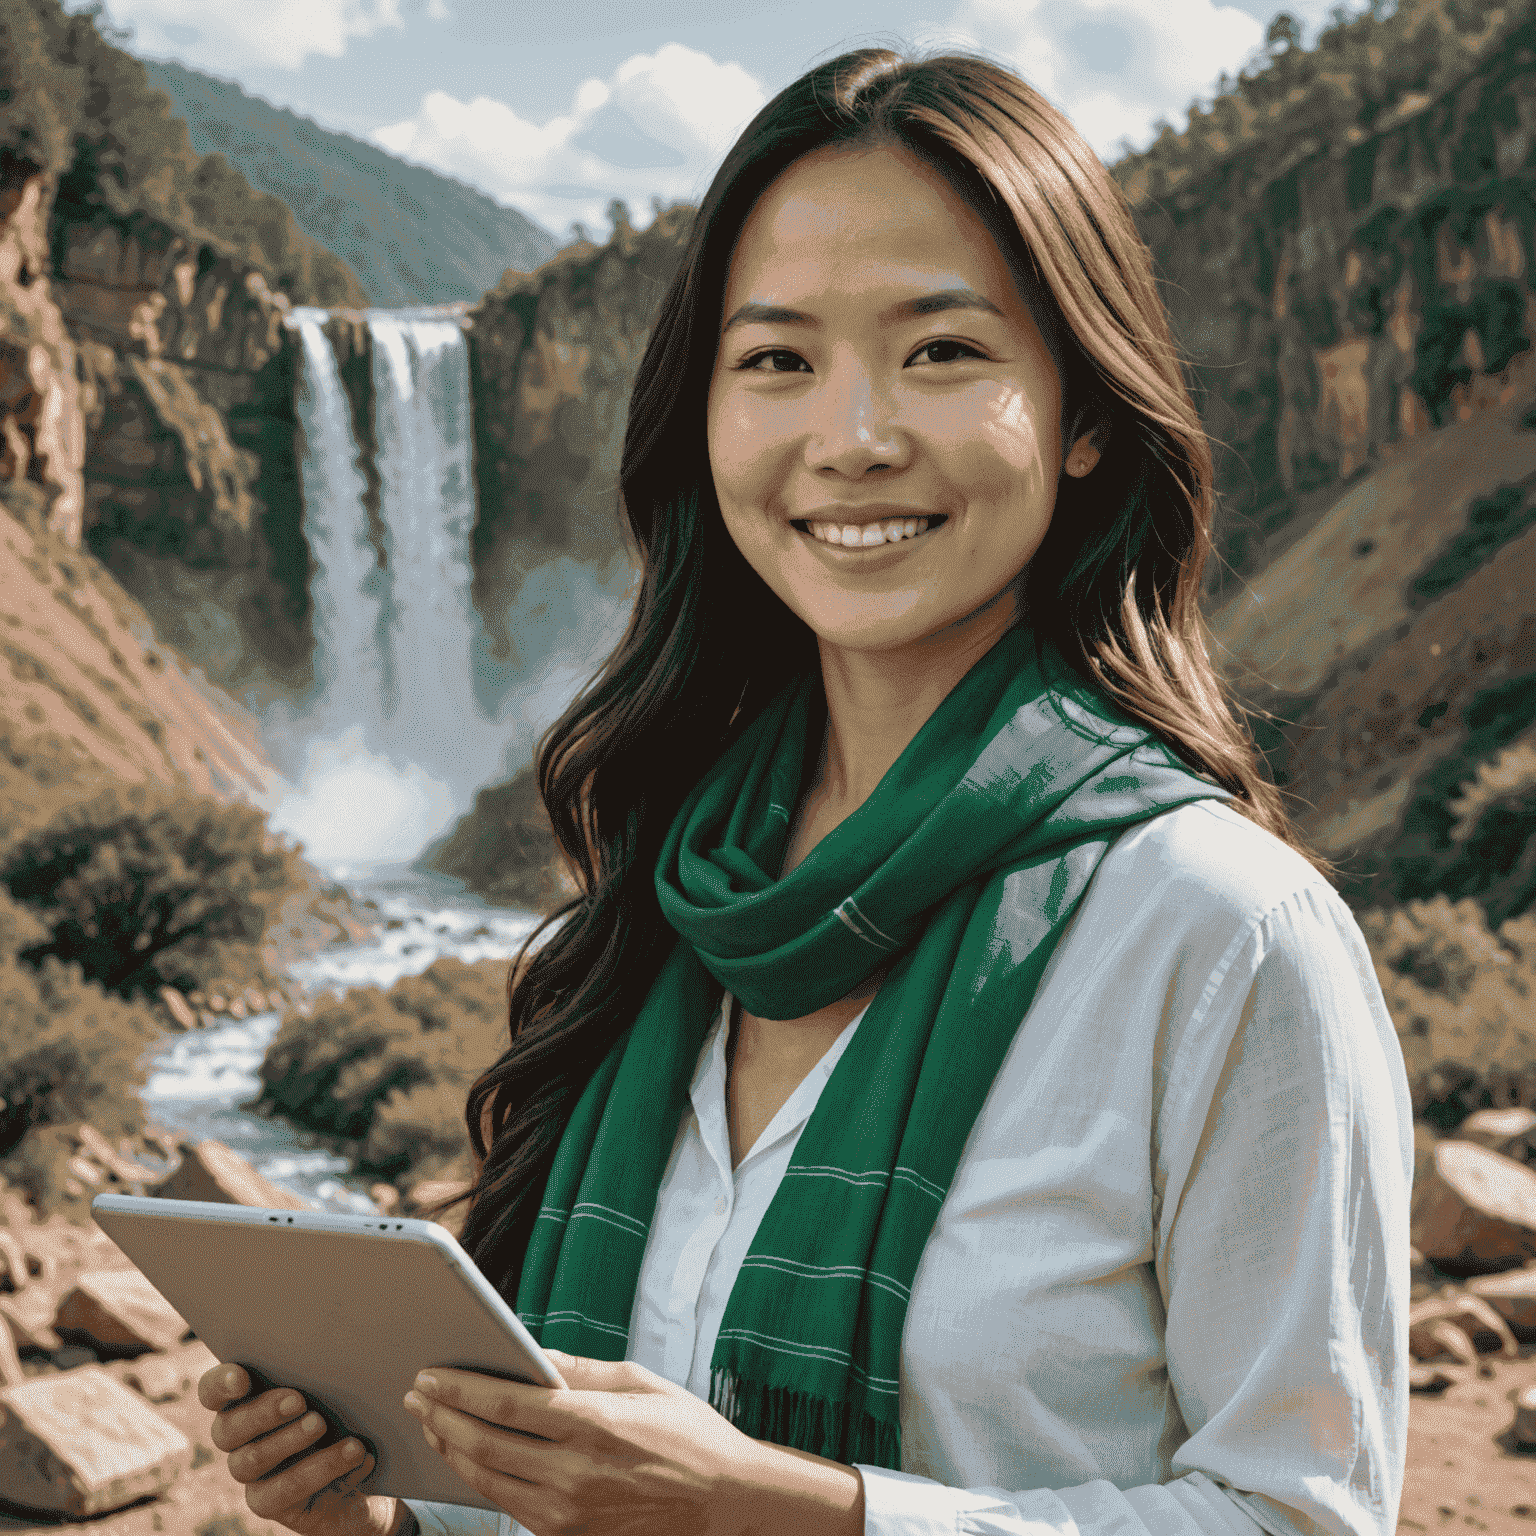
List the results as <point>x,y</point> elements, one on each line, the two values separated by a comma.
<point>235,1426</point>
<point>297,1486</point>
<point>256,1458</point>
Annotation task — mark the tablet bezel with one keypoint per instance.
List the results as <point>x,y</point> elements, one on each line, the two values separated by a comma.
<point>406,1466</point>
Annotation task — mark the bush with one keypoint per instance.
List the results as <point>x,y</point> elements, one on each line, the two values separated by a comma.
<point>148,887</point>
<point>390,1071</point>
<point>1460,996</point>
<point>68,1052</point>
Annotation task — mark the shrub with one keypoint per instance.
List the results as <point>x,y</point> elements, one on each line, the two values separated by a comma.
<point>68,1052</point>
<point>390,1070</point>
<point>148,887</point>
<point>1460,996</point>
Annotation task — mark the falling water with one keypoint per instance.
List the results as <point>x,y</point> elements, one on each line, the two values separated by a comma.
<point>393,741</point>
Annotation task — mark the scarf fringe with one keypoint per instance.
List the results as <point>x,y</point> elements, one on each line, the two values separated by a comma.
<point>835,1429</point>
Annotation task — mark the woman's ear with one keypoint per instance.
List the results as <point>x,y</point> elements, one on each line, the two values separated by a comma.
<point>1087,445</point>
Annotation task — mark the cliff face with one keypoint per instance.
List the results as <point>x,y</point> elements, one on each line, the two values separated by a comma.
<point>190,474</point>
<point>1340,306</point>
<point>553,356</point>
<point>1361,324</point>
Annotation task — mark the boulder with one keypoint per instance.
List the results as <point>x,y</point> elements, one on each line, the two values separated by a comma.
<point>255,999</point>
<point>183,1014</point>
<point>1476,1211</point>
<point>1510,1131</point>
<point>1524,1426</point>
<point>11,1373</point>
<point>210,1171</point>
<point>29,1317</point>
<point>80,1444</point>
<point>1513,1296</point>
<point>115,1162</point>
<point>119,1310</point>
<point>165,1378</point>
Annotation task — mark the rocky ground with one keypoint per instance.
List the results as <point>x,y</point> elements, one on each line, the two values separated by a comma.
<point>101,1429</point>
<point>100,1425</point>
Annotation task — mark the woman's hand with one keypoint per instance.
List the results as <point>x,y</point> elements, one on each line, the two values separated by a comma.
<point>626,1452</point>
<point>318,1495</point>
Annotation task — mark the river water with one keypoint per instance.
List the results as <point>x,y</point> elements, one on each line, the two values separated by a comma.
<point>198,1080</point>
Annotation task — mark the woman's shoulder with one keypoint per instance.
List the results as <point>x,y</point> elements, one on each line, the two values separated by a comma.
<point>1203,877</point>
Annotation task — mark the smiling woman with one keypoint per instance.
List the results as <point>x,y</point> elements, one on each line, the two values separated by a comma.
<point>953,1102</point>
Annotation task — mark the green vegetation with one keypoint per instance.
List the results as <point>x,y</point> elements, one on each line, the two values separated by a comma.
<point>1492,522</point>
<point>1291,102</point>
<point>411,235</point>
<point>389,1071</point>
<point>143,887</point>
<point>74,106</point>
<point>68,1052</point>
<point>1460,997</point>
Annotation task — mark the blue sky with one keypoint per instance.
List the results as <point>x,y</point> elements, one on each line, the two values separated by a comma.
<point>560,106</point>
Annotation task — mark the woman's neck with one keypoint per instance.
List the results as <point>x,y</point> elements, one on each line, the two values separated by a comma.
<point>877,701</point>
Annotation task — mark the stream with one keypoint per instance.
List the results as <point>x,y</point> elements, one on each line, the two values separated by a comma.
<point>198,1080</point>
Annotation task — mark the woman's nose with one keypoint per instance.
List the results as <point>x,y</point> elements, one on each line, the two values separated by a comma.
<point>853,429</point>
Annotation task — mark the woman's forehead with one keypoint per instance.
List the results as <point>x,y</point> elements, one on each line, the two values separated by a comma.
<point>861,221</point>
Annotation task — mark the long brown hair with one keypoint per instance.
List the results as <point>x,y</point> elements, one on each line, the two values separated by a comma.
<point>1118,574</point>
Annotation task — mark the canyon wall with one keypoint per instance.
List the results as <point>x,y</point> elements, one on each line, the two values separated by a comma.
<point>1360,325</point>
<point>553,356</point>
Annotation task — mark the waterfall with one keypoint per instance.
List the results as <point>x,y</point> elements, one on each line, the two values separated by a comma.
<point>393,743</point>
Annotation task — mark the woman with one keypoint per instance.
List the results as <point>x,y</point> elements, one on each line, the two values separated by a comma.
<point>951,1105</point>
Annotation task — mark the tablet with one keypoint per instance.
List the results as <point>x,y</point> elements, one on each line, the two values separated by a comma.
<point>347,1309</point>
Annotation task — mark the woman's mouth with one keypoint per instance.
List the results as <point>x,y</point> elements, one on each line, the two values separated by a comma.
<point>868,535</point>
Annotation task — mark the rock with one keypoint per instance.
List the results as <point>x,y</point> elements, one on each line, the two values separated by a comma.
<point>30,1318</point>
<point>237,1009</point>
<point>114,1161</point>
<point>11,1373</point>
<point>1477,1210</point>
<point>385,1196</point>
<point>182,1013</point>
<point>1510,1131</point>
<point>80,1444</point>
<point>276,1001</point>
<point>1525,1416</point>
<point>158,1379</point>
<point>119,1310</point>
<point>210,1171</point>
<point>255,999</point>
<point>217,1002</point>
<point>1429,1379</point>
<point>1513,1296</point>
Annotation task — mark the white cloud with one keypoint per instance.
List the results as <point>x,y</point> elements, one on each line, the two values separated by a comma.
<point>1113,66</point>
<point>657,127</point>
<point>225,35</point>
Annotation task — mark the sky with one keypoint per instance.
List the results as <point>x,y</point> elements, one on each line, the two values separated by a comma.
<point>558,107</point>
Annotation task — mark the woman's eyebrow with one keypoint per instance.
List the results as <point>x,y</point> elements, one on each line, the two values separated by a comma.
<point>926,304</point>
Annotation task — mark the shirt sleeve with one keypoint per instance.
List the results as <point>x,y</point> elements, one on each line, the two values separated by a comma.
<point>460,1520</point>
<point>1284,1160</point>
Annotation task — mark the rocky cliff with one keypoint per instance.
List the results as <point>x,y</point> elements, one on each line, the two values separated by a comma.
<point>553,356</point>
<point>1360,324</point>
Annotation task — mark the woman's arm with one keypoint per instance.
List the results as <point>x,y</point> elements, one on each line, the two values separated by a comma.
<point>1284,1158</point>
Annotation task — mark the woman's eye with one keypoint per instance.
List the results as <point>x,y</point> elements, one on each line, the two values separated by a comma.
<point>777,356</point>
<point>947,351</point>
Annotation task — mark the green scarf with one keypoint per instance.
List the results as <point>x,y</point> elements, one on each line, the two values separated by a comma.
<point>959,873</point>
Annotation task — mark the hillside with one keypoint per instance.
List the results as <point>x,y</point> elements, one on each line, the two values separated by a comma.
<point>411,235</point>
<point>1359,316</point>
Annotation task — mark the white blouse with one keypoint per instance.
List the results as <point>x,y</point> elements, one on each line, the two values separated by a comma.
<point>1167,1291</point>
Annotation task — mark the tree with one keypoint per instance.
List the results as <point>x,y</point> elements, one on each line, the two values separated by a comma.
<point>149,887</point>
<point>1284,32</point>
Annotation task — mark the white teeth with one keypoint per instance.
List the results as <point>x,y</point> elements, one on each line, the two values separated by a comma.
<point>853,536</point>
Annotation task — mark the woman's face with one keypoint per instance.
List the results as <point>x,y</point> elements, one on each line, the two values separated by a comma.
<point>884,414</point>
